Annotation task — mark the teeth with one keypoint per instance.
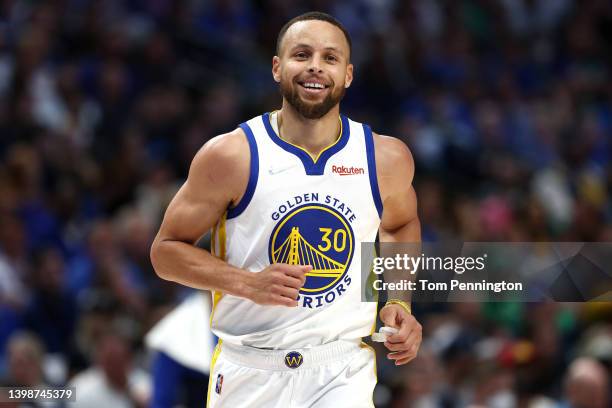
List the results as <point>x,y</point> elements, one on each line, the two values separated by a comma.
<point>314,85</point>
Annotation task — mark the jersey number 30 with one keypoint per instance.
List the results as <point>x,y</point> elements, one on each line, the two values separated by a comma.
<point>339,240</point>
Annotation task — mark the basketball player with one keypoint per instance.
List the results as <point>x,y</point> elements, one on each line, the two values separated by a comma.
<point>290,196</point>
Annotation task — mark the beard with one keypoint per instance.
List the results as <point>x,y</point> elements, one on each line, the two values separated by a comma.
<point>310,110</point>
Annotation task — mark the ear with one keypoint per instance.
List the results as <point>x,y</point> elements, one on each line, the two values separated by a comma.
<point>348,78</point>
<point>276,68</point>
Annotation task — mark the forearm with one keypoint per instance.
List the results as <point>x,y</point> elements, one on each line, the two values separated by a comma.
<point>403,241</point>
<point>197,268</point>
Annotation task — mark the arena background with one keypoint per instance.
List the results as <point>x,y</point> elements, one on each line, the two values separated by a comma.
<point>505,104</point>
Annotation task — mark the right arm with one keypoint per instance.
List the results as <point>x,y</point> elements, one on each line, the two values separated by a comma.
<point>217,180</point>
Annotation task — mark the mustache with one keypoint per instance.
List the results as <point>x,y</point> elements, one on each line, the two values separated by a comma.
<point>290,93</point>
<point>328,82</point>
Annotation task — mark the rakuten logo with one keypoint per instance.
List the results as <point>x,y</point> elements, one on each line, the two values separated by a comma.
<point>347,171</point>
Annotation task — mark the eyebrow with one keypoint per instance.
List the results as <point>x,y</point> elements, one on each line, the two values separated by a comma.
<point>338,50</point>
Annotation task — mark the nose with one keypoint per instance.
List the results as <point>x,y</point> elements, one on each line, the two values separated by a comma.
<point>315,64</point>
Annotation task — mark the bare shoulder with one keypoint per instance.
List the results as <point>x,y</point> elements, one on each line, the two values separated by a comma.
<point>218,176</point>
<point>394,161</point>
<point>227,151</point>
<point>223,162</point>
<point>395,172</point>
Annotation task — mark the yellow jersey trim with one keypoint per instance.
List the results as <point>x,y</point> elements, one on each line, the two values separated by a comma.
<point>221,241</point>
<point>213,361</point>
<point>314,159</point>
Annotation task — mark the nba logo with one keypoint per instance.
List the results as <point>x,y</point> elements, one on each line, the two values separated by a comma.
<point>219,383</point>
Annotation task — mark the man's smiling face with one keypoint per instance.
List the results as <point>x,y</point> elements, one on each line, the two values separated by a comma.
<point>313,67</point>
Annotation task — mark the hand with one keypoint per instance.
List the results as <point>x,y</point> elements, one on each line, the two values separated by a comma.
<point>278,284</point>
<point>405,344</point>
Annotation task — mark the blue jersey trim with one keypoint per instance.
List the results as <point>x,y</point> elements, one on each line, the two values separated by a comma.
<point>312,168</point>
<point>253,175</point>
<point>369,141</point>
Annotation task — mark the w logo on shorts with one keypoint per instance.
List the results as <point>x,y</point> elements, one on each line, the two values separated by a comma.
<point>293,359</point>
<point>219,383</point>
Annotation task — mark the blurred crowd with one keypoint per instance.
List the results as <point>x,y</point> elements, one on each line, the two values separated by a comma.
<point>505,104</point>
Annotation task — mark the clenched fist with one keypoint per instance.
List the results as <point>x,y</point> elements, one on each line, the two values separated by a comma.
<point>405,344</point>
<point>278,284</point>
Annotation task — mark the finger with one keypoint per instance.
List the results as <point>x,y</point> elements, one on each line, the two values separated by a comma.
<point>402,334</point>
<point>299,268</point>
<point>416,345</point>
<point>399,337</point>
<point>402,338</point>
<point>411,343</point>
<point>284,301</point>
<point>406,355</point>
<point>405,360</point>
<point>400,355</point>
<point>396,346</point>
<point>283,291</point>
<point>292,282</point>
<point>297,271</point>
<point>408,326</point>
<point>287,292</point>
<point>388,317</point>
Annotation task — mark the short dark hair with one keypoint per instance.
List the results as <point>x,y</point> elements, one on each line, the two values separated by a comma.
<point>313,15</point>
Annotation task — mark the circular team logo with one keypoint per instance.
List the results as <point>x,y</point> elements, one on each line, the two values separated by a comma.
<point>293,359</point>
<point>316,235</point>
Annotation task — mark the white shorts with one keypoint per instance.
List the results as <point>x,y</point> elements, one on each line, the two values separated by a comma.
<point>339,374</point>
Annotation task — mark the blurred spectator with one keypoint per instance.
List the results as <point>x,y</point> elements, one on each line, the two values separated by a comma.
<point>52,311</point>
<point>25,359</point>
<point>13,274</point>
<point>26,366</point>
<point>112,381</point>
<point>422,383</point>
<point>587,385</point>
<point>13,262</point>
<point>103,267</point>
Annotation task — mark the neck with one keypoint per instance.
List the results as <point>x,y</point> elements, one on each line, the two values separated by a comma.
<point>314,135</point>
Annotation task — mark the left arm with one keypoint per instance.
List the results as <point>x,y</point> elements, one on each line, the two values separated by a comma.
<point>400,223</point>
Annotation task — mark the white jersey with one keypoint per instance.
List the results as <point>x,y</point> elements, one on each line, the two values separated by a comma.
<point>299,210</point>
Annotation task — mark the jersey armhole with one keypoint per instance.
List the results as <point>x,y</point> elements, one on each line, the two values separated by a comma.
<point>253,175</point>
<point>371,157</point>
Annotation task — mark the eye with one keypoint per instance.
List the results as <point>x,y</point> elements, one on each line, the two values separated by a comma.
<point>331,58</point>
<point>300,55</point>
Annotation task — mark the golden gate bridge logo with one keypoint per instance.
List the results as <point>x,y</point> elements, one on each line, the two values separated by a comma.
<point>296,248</point>
<point>316,235</point>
